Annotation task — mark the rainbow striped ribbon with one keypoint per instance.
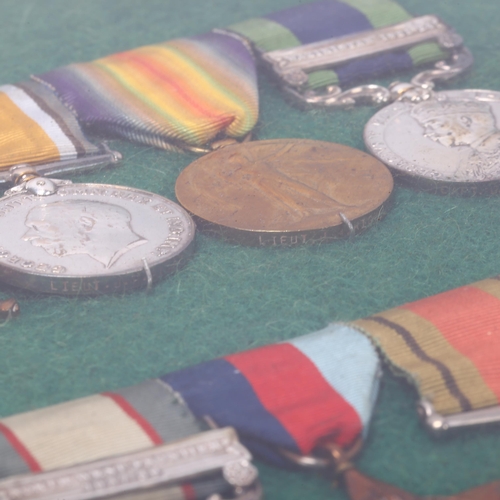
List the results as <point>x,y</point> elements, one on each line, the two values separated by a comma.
<point>313,22</point>
<point>448,345</point>
<point>288,395</point>
<point>36,128</point>
<point>188,91</point>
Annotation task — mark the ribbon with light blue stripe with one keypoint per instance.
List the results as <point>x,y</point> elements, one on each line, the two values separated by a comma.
<point>347,362</point>
<point>288,395</point>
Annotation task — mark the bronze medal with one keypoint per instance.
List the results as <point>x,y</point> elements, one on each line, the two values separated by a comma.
<point>285,192</point>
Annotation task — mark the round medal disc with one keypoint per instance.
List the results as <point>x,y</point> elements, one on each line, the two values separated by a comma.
<point>285,191</point>
<point>449,144</point>
<point>88,239</point>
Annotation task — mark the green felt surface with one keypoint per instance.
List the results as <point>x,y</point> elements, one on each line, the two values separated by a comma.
<point>230,298</point>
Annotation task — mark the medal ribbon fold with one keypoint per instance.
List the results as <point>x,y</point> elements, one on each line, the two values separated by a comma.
<point>291,395</point>
<point>35,127</point>
<point>101,426</point>
<point>447,345</point>
<point>188,92</point>
<point>313,392</point>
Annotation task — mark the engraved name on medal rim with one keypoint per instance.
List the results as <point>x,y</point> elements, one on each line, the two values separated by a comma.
<point>91,239</point>
<point>449,144</point>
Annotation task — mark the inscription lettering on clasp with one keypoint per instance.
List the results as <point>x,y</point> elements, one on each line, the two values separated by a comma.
<point>212,452</point>
<point>291,64</point>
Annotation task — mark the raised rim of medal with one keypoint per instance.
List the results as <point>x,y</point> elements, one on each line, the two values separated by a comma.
<point>161,267</point>
<point>403,169</point>
<point>291,237</point>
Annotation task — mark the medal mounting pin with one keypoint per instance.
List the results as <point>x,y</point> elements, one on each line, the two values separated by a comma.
<point>32,178</point>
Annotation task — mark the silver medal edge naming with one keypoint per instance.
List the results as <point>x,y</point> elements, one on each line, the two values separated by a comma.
<point>141,276</point>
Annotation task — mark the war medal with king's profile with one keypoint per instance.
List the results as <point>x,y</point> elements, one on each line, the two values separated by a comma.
<point>449,143</point>
<point>446,142</point>
<point>81,239</point>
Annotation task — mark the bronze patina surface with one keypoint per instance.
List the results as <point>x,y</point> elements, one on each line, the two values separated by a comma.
<point>285,192</point>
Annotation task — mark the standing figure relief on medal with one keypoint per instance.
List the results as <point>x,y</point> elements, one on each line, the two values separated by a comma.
<point>295,192</point>
<point>283,186</point>
<point>103,231</point>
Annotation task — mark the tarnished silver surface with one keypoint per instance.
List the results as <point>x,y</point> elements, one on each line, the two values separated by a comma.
<point>290,64</point>
<point>450,141</point>
<point>205,453</point>
<point>438,424</point>
<point>76,239</point>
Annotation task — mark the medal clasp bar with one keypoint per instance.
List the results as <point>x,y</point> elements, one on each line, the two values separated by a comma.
<point>439,424</point>
<point>214,451</point>
<point>291,66</point>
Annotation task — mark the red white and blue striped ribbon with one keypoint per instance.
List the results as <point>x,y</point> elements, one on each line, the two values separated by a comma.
<point>291,395</point>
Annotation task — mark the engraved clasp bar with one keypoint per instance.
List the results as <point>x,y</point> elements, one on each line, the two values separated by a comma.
<point>216,451</point>
<point>439,424</point>
<point>292,66</point>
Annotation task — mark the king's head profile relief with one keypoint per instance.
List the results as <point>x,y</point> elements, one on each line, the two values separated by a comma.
<point>467,123</point>
<point>103,231</point>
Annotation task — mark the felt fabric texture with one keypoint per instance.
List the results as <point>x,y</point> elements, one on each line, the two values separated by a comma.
<point>230,298</point>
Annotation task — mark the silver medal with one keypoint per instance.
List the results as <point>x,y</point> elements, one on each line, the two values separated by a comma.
<point>449,143</point>
<point>86,239</point>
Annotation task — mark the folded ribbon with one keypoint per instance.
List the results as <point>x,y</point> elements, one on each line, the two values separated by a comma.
<point>183,92</point>
<point>289,395</point>
<point>35,127</point>
<point>189,92</point>
<point>448,345</point>
<point>314,391</point>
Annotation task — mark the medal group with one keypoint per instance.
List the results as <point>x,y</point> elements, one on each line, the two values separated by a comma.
<point>304,403</point>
